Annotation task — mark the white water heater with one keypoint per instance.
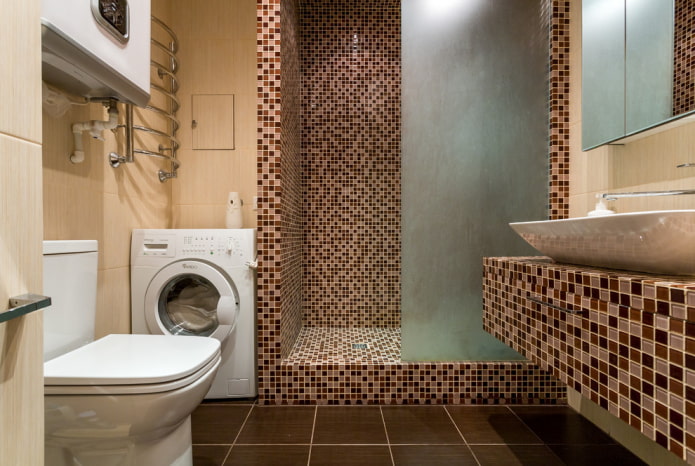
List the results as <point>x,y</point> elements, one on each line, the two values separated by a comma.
<point>97,48</point>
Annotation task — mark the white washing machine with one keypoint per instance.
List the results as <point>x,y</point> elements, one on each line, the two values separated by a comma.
<point>200,282</point>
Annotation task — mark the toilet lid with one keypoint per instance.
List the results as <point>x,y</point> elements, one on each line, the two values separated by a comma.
<point>131,359</point>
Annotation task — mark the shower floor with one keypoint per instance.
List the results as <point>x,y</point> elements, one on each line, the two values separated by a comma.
<point>326,345</point>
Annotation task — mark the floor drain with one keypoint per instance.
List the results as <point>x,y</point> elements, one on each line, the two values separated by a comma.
<point>360,346</point>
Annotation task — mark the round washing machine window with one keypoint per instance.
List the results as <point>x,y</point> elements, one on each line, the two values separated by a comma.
<point>188,306</point>
<point>191,298</point>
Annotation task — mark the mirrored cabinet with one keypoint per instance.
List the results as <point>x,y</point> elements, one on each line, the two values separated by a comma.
<point>635,66</point>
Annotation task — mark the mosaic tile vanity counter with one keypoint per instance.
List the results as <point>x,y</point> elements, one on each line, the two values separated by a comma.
<point>625,340</point>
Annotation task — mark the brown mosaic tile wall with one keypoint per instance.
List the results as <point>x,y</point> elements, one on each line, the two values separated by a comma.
<point>559,189</point>
<point>291,252</point>
<point>684,57</point>
<point>279,191</point>
<point>351,135</point>
<point>624,340</point>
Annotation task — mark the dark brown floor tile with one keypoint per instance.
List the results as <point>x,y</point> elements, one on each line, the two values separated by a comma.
<point>349,424</point>
<point>268,455</point>
<point>491,424</point>
<point>278,424</point>
<point>581,455</point>
<point>439,455</point>
<point>561,425</point>
<point>419,425</point>
<point>512,455</point>
<point>347,455</point>
<point>209,455</point>
<point>217,424</point>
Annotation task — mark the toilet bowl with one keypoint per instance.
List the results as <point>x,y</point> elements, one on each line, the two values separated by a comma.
<point>120,400</point>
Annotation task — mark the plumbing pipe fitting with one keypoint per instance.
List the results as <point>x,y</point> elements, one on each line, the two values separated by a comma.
<point>95,128</point>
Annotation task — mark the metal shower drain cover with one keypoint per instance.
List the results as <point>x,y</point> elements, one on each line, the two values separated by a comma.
<point>360,346</point>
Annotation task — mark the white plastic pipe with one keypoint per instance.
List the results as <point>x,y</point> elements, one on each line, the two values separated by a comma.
<point>95,128</point>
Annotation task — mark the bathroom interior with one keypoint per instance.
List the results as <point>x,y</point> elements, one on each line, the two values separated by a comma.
<point>380,150</point>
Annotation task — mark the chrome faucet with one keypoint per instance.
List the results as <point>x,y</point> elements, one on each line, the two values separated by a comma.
<point>674,192</point>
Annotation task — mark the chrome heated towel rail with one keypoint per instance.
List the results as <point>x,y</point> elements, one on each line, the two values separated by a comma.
<point>163,105</point>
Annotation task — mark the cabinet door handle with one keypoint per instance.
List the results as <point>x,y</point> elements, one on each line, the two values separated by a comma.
<point>539,300</point>
<point>24,304</point>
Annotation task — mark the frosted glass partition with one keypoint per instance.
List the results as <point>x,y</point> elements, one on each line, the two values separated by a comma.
<point>475,149</point>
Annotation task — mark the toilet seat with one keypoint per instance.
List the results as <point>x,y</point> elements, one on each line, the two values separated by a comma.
<point>131,364</point>
<point>133,389</point>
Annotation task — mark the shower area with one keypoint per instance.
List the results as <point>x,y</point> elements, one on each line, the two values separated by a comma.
<point>395,143</point>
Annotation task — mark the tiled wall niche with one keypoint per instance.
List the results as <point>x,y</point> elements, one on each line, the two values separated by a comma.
<point>627,342</point>
<point>351,164</point>
<point>279,311</point>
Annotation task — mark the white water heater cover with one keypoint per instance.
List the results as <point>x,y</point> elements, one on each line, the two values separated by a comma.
<point>97,48</point>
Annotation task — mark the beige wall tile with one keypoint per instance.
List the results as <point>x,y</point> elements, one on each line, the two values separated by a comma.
<point>228,19</point>
<point>113,302</point>
<point>208,178</point>
<point>162,10</point>
<point>245,121</point>
<point>218,56</point>
<point>119,220</point>
<point>244,73</point>
<point>19,94</point>
<point>199,216</point>
<point>20,229</point>
<point>21,339</point>
<point>122,214</point>
<point>582,204</point>
<point>70,212</point>
<point>60,144</point>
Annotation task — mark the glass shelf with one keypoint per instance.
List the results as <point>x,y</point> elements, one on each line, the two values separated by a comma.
<point>24,304</point>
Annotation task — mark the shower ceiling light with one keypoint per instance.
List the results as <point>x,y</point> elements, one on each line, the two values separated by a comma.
<point>441,8</point>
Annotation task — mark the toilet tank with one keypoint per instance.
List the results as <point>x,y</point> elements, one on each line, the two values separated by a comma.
<point>70,279</point>
<point>97,48</point>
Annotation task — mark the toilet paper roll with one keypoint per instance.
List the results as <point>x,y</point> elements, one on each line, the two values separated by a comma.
<point>234,219</point>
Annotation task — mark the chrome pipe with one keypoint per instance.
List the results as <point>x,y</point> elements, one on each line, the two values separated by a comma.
<point>129,154</point>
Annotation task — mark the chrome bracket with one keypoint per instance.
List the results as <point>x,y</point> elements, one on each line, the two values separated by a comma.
<point>165,175</point>
<point>115,160</point>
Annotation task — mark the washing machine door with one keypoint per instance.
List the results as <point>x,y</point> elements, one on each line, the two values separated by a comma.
<point>191,297</point>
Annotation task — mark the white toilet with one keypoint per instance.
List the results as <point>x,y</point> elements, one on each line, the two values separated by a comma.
<point>120,400</point>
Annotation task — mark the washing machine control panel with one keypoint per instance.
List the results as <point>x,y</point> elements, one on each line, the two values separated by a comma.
<point>225,248</point>
<point>214,246</point>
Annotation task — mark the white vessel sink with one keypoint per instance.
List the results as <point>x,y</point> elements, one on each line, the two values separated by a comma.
<point>661,242</point>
